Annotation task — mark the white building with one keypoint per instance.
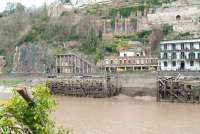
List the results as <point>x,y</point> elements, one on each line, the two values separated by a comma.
<point>180,55</point>
<point>130,59</point>
<point>132,52</point>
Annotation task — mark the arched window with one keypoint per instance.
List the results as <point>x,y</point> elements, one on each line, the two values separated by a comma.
<point>178,17</point>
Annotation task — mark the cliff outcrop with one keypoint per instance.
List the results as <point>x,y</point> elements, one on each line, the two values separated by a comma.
<point>33,58</point>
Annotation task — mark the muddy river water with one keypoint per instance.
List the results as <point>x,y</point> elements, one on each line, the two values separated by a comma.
<point>123,115</point>
<point>126,115</point>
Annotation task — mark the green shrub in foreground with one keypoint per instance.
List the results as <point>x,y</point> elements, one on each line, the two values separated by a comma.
<point>34,118</point>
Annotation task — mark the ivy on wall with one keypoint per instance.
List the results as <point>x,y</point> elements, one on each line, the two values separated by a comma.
<point>126,11</point>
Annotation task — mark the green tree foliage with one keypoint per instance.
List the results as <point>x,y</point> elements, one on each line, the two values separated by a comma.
<point>20,8</point>
<point>142,36</point>
<point>126,11</point>
<point>167,29</point>
<point>10,7</point>
<point>34,118</point>
<point>155,2</point>
<point>91,42</point>
<point>112,46</point>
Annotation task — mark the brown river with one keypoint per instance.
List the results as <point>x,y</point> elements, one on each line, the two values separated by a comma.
<point>123,115</point>
<point>126,115</point>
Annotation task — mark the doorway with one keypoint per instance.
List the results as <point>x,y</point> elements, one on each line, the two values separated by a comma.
<point>182,65</point>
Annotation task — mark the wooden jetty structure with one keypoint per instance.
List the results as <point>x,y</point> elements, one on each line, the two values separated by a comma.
<point>73,63</point>
<point>174,89</point>
<point>77,76</point>
<point>86,86</point>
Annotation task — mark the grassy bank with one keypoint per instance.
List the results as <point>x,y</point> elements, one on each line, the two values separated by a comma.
<point>10,82</point>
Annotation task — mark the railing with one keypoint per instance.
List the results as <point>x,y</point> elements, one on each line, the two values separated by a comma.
<point>185,49</point>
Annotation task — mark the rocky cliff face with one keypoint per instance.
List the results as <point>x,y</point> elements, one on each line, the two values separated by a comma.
<point>33,58</point>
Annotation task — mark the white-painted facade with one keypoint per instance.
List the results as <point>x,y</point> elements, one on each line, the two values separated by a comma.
<point>180,55</point>
<point>133,52</point>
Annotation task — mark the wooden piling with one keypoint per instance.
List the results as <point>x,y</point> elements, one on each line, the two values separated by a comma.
<point>85,87</point>
<point>172,89</point>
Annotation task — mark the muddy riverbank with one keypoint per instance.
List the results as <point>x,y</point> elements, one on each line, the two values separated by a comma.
<point>133,84</point>
<point>138,84</point>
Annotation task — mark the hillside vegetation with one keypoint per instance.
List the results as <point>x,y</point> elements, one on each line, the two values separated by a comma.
<point>20,27</point>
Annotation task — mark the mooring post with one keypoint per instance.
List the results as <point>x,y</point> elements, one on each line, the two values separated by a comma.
<point>157,88</point>
<point>171,90</point>
<point>158,91</point>
<point>109,85</point>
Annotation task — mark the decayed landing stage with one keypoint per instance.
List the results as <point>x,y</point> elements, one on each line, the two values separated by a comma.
<point>172,89</point>
<point>85,87</point>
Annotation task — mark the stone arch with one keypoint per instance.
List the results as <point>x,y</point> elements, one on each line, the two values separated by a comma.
<point>178,17</point>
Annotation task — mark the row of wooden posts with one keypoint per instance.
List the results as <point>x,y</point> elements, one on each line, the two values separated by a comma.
<point>85,87</point>
<point>173,89</point>
<point>169,88</point>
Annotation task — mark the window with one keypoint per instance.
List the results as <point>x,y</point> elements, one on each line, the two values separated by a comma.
<point>198,55</point>
<point>182,55</point>
<point>125,55</point>
<point>129,61</point>
<point>191,63</point>
<point>192,55</point>
<point>111,61</point>
<point>125,62</point>
<point>165,56</point>
<point>182,46</point>
<point>174,63</point>
<point>141,53</point>
<point>174,55</point>
<point>165,64</point>
<point>199,45</point>
<point>173,46</point>
<point>120,61</point>
<point>165,46</point>
<point>191,46</point>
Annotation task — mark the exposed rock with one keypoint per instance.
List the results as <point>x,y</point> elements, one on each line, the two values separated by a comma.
<point>33,58</point>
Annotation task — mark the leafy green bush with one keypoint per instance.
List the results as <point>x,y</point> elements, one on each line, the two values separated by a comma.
<point>167,29</point>
<point>155,2</point>
<point>36,117</point>
<point>126,11</point>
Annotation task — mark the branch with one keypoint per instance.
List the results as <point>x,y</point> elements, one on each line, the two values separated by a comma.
<point>23,92</point>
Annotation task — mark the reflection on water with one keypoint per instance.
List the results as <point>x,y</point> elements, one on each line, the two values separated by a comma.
<point>5,91</point>
<point>124,115</point>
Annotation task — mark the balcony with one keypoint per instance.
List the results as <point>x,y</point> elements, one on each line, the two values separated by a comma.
<point>131,62</point>
<point>185,50</point>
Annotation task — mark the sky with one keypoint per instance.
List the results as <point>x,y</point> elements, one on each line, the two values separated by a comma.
<point>27,3</point>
